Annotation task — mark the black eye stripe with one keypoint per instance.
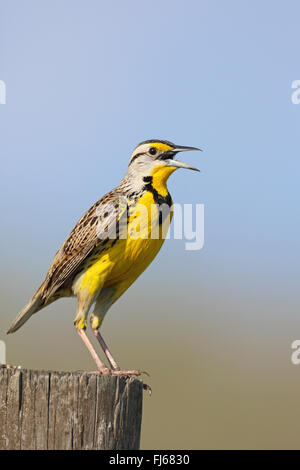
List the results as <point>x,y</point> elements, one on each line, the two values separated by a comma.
<point>164,156</point>
<point>136,156</point>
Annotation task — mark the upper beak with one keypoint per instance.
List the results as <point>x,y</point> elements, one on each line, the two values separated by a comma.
<point>178,163</point>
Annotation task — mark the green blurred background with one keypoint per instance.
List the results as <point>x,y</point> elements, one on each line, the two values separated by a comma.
<point>86,81</point>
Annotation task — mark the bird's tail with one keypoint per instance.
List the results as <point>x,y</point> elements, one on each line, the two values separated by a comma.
<point>33,306</point>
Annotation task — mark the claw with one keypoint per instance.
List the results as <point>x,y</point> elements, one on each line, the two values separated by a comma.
<point>145,372</point>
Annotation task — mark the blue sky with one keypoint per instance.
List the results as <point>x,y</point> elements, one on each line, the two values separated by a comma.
<point>84,85</point>
<point>87,81</point>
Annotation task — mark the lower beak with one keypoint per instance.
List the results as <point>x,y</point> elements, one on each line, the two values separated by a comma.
<point>178,163</point>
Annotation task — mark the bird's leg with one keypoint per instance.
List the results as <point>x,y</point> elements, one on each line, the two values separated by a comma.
<point>85,300</point>
<point>100,365</point>
<point>106,351</point>
<point>104,300</point>
<point>115,368</point>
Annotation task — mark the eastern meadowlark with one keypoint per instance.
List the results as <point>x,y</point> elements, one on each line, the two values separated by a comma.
<point>112,244</point>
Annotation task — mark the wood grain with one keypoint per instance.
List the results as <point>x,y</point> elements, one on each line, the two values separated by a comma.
<point>69,410</point>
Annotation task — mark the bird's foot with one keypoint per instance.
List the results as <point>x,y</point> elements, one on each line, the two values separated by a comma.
<point>128,372</point>
<point>9,366</point>
<point>106,371</point>
<point>133,373</point>
<point>124,373</point>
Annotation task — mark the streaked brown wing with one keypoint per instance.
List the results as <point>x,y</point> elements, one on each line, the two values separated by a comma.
<point>93,229</point>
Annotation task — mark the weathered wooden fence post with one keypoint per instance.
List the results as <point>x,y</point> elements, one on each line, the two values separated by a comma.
<point>69,410</point>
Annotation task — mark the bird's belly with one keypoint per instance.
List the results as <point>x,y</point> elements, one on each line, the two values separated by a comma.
<point>131,258</point>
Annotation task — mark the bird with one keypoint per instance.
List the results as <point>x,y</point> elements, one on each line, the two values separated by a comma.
<point>112,244</point>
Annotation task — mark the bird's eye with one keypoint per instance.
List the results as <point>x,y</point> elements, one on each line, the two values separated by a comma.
<point>153,151</point>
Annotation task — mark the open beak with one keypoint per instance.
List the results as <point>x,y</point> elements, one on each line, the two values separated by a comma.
<point>178,163</point>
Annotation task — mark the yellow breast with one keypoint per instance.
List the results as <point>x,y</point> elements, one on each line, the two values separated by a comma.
<point>125,259</point>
